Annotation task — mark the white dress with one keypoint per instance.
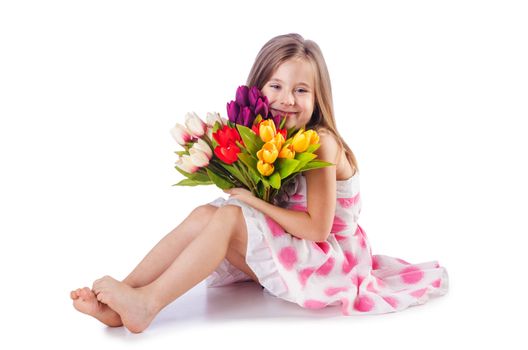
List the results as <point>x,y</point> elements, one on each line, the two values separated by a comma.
<point>340,270</point>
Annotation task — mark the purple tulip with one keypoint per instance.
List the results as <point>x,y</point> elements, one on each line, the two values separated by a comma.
<point>261,108</point>
<point>245,117</point>
<point>247,105</point>
<point>242,95</point>
<point>232,111</point>
<point>254,95</point>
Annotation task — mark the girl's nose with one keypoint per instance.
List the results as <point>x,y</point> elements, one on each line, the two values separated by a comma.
<point>287,98</point>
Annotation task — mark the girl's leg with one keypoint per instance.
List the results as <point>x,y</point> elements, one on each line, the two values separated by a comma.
<point>170,246</point>
<point>139,306</point>
<point>156,261</point>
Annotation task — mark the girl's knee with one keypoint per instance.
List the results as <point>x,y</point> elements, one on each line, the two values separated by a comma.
<point>205,211</point>
<point>230,211</point>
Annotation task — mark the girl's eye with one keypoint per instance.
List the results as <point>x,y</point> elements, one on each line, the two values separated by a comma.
<point>302,90</point>
<point>274,86</point>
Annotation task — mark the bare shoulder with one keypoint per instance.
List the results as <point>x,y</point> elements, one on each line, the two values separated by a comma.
<point>329,150</point>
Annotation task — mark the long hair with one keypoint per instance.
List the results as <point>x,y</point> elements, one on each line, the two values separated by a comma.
<point>284,47</point>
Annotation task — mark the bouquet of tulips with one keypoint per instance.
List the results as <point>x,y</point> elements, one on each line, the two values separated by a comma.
<point>251,149</point>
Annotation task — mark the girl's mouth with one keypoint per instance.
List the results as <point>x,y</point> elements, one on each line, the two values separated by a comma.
<point>282,113</point>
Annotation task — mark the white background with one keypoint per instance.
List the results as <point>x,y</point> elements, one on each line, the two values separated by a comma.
<point>431,97</point>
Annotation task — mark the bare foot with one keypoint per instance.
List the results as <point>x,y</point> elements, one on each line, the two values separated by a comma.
<point>132,304</point>
<point>84,300</point>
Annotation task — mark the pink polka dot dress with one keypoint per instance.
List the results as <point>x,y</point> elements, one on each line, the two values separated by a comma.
<point>339,271</point>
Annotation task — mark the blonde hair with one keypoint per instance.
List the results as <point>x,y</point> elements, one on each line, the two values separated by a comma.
<point>284,47</point>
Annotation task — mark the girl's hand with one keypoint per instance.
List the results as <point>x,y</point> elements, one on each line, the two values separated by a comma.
<point>240,193</point>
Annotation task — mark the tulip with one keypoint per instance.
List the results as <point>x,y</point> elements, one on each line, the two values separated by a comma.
<point>268,153</point>
<point>212,118</point>
<point>242,95</point>
<point>226,135</point>
<point>253,96</point>
<point>227,153</point>
<point>287,152</point>
<point>202,146</point>
<point>247,105</point>
<point>265,168</point>
<point>245,116</point>
<point>195,125</point>
<point>261,108</point>
<point>278,140</point>
<point>300,142</point>
<point>267,130</point>
<point>232,111</point>
<point>198,158</point>
<point>185,163</point>
<point>181,134</point>
<point>312,136</point>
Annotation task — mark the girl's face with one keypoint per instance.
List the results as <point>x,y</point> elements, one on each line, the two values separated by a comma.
<point>290,92</point>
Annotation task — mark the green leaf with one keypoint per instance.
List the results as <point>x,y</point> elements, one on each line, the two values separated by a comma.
<point>275,180</point>
<point>255,175</point>
<point>303,159</point>
<point>250,138</point>
<point>248,160</point>
<point>312,148</point>
<point>190,182</point>
<point>291,131</point>
<point>286,166</point>
<point>217,126</point>
<point>219,181</point>
<point>316,164</point>
<point>198,176</point>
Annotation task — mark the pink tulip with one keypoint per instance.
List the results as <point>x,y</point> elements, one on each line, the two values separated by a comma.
<point>181,134</point>
<point>195,125</point>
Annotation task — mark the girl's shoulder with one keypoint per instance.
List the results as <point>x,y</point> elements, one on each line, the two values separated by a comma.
<point>330,147</point>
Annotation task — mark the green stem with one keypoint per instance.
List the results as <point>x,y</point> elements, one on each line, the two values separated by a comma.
<point>248,179</point>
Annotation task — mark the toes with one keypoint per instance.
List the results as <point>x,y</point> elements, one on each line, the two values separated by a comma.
<point>86,293</point>
<point>74,294</point>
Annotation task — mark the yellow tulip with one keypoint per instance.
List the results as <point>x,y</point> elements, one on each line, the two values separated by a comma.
<point>278,140</point>
<point>312,136</point>
<point>287,152</point>
<point>268,153</point>
<point>267,130</point>
<point>265,168</point>
<point>300,142</point>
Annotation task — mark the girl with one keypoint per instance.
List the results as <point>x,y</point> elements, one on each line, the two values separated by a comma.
<point>309,250</point>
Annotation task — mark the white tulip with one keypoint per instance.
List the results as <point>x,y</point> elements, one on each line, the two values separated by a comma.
<point>201,145</point>
<point>185,163</point>
<point>181,134</point>
<point>195,125</point>
<point>214,117</point>
<point>199,158</point>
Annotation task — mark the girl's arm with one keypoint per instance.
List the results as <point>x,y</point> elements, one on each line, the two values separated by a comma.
<point>297,223</point>
<point>316,224</point>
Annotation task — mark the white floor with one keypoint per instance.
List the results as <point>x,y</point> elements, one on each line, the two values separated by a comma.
<point>244,316</point>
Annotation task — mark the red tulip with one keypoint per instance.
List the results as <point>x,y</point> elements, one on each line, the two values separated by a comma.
<point>227,153</point>
<point>225,135</point>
